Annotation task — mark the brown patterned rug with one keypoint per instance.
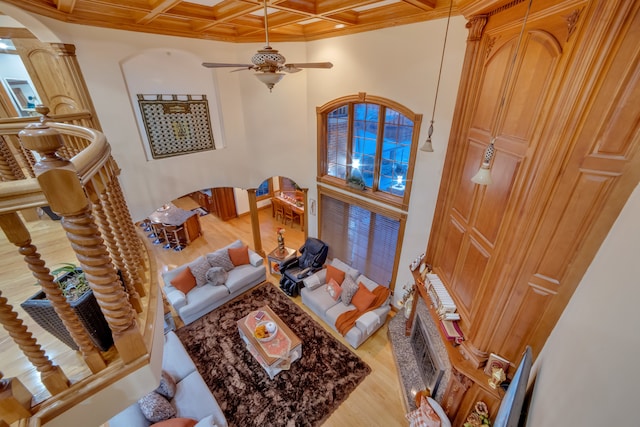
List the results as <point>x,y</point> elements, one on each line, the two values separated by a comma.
<point>305,395</point>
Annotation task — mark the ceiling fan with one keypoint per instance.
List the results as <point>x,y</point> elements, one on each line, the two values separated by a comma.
<point>268,63</point>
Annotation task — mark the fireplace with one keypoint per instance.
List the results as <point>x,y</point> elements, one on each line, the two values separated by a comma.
<point>430,365</point>
<point>414,375</point>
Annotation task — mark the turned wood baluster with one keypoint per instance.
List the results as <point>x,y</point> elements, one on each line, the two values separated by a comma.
<point>51,375</point>
<point>15,401</point>
<point>133,252</point>
<point>100,206</point>
<point>130,272</point>
<point>66,196</point>
<point>9,168</point>
<point>18,234</point>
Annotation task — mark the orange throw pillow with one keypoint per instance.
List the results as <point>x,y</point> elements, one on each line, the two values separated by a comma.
<point>363,298</point>
<point>176,422</point>
<point>239,256</point>
<point>335,274</point>
<point>184,281</point>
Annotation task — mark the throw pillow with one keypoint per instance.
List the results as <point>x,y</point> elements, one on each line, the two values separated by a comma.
<point>349,288</point>
<point>184,281</point>
<point>207,422</point>
<point>220,258</point>
<point>167,387</point>
<point>199,269</point>
<point>176,422</point>
<point>239,256</point>
<point>424,416</point>
<point>335,274</point>
<point>217,276</point>
<point>363,298</point>
<point>156,408</point>
<point>334,289</point>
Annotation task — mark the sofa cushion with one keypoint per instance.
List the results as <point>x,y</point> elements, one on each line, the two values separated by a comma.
<point>239,256</point>
<point>242,275</point>
<point>199,268</point>
<point>175,359</point>
<point>184,281</point>
<point>176,422</point>
<point>353,272</point>
<point>167,387</point>
<point>194,400</point>
<point>349,289</point>
<point>156,407</point>
<point>201,298</point>
<point>207,422</point>
<point>220,258</point>
<point>363,298</point>
<point>334,289</point>
<point>217,276</point>
<point>370,284</point>
<point>335,274</point>
<point>318,300</point>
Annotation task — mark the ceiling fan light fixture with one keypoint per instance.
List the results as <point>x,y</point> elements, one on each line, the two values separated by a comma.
<point>270,79</point>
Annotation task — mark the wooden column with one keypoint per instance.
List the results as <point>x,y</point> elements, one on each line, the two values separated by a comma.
<point>51,375</point>
<point>306,212</point>
<point>66,196</point>
<point>255,221</point>
<point>18,234</point>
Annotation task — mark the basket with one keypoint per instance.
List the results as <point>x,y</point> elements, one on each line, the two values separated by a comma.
<point>88,311</point>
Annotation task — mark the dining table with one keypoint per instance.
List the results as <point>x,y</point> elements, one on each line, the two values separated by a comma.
<point>297,207</point>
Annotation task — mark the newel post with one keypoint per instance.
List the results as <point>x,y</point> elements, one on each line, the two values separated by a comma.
<point>66,196</point>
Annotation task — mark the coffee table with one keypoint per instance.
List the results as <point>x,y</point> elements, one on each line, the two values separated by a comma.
<point>276,355</point>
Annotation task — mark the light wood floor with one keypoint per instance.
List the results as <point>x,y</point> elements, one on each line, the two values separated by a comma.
<point>377,401</point>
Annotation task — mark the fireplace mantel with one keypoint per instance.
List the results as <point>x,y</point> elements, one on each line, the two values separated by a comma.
<point>467,383</point>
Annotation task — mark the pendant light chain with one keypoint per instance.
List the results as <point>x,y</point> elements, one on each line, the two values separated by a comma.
<point>427,145</point>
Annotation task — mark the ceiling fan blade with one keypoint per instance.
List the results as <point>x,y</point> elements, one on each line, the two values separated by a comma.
<point>310,65</point>
<point>243,69</point>
<point>223,65</point>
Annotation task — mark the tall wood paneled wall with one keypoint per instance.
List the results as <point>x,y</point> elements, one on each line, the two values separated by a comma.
<point>567,158</point>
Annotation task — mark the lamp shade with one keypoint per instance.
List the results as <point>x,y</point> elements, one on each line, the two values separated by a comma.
<point>269,79</point>
<point>427,146</point>
<point>483,176</point>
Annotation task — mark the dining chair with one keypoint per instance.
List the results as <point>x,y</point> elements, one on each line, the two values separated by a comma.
<point>288,214</point>
<point>278,208</point>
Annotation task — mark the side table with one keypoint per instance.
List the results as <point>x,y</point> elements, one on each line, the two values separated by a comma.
<point>276,259</point>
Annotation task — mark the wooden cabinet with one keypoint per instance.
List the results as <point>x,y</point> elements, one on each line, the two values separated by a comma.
<point>219,201</point>
<point>567,158</point>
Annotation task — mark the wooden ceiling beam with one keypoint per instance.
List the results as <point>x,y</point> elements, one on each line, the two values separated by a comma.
<point>158,7</point>
<point>426,5</point>
<point>65,6</point>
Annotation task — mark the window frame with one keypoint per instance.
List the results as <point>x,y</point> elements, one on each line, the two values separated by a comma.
<point>268,195</point>
<point>374,208</point>
<point>322,112</point>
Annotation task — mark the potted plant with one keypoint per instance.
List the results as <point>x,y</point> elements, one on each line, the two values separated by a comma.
<point>356,181</point>
<point>75,287</point>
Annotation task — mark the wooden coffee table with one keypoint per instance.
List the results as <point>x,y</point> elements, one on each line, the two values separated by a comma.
<point>276,355</point>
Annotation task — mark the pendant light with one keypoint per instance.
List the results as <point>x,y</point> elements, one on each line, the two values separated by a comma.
<point>483,176</point>
<point>427,146</point>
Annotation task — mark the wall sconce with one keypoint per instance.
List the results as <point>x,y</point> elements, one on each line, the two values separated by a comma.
<point>497,377</point>
<point>427,146</point>
<point>483,176</point>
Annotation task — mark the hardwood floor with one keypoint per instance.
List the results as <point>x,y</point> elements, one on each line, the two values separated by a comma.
<point>375,402</point>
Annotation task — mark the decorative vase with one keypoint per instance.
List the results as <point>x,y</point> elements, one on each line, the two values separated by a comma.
<point>407,307</point>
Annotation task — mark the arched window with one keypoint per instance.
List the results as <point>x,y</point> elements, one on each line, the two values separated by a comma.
<point>367,144</point>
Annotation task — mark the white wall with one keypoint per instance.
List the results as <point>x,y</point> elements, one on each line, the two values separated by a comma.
<point>270,134</point>
<point>588,369</point>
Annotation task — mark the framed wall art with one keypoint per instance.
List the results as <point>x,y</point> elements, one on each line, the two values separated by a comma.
<point>176,124</point>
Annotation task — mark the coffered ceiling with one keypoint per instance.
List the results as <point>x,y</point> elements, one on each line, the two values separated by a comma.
<point>242,21</point>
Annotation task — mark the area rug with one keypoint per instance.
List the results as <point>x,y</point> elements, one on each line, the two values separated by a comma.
<point>305,395</point>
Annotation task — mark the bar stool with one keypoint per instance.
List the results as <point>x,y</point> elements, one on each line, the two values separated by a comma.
<point>157,233</point>
<point>166,230</point>
<point>145,224</point>
<point>179,237</point>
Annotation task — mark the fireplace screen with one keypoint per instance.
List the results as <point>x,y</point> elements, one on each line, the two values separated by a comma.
<point>429,365</point>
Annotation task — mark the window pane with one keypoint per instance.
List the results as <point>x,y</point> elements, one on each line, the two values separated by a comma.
<point>363,239</point>
<point>263,189</point>
<point>396,152</point>
<point>365,137</point>
<point>337,128</point>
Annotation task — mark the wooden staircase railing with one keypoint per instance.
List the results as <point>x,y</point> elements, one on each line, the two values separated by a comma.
<point>70,169</point>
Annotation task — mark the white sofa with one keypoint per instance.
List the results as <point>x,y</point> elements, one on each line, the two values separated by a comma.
<point>201,300</point>
<point>315,296</point>
<point>193,399</point>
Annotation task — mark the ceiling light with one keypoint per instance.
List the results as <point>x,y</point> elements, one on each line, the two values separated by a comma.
<point>269,79</point>
<point>428,146</point>
<point>338,26</point>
